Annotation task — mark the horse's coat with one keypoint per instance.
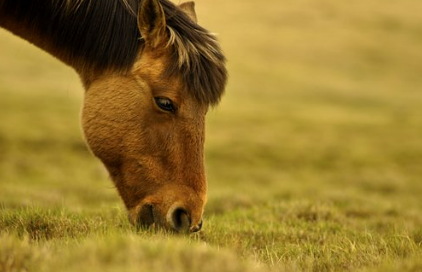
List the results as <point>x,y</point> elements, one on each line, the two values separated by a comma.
<point>150,73</point>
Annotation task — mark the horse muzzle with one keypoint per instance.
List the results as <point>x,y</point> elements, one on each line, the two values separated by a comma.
<point>177,218</point>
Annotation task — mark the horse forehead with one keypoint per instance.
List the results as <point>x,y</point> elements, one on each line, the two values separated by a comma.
<point>151,61</point>
<point>151,69</point>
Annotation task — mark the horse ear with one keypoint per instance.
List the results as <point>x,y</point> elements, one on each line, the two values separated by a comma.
<point>152,22</point>
<point>189,9</point>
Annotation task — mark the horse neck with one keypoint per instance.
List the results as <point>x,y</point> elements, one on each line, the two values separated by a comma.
<point>87,37</point>
<point>37,38</point>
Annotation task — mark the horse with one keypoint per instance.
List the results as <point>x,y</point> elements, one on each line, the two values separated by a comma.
<point>150,74</point>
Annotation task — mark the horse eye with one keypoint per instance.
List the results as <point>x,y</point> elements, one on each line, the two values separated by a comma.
<point>165,104</point>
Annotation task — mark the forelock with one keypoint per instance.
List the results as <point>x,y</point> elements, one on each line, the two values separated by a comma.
<point>196,56</point>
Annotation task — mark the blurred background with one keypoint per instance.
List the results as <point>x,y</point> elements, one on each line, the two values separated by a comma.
<point>324,103</point>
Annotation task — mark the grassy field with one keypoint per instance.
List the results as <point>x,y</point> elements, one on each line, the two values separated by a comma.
<point>314,157</point>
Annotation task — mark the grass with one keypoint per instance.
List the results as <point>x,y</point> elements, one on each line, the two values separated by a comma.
<point>314,157</point>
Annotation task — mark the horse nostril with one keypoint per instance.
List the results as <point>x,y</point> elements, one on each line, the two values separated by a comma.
<point>197,227</point>
<point>179,220</point>
<point>146,216</point>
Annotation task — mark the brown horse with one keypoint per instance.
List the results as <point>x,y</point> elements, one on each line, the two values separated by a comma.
<point>150,74</point>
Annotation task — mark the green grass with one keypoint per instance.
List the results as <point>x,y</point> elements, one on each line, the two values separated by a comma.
<point>314,157</point>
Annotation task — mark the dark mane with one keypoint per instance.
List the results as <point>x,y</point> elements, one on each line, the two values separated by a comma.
<point>103,35</point>
<point>196,54</point>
